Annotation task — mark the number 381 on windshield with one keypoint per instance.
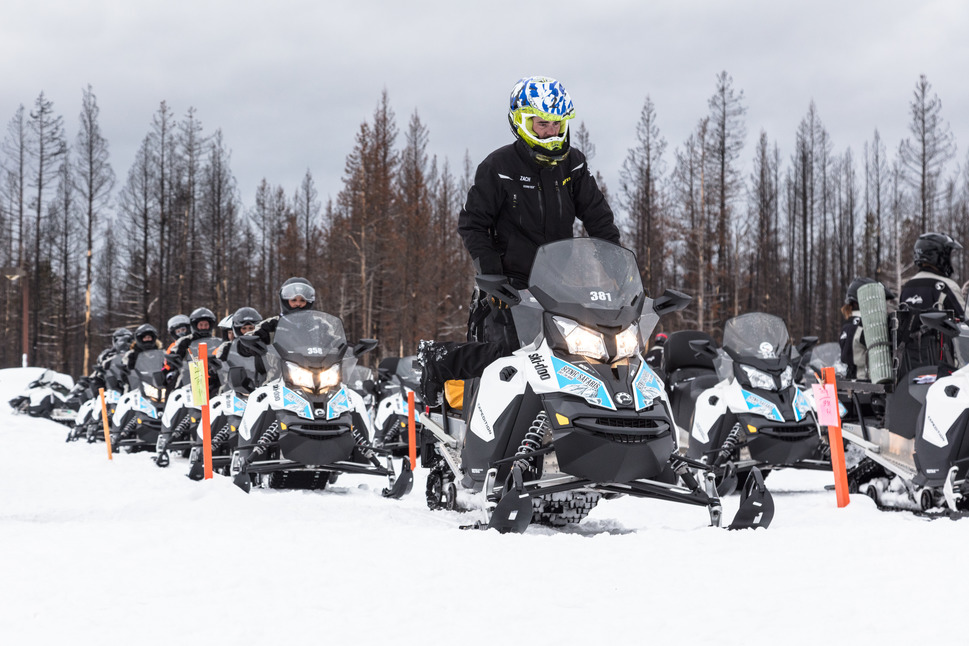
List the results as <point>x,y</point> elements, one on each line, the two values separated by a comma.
<point>600,296</point>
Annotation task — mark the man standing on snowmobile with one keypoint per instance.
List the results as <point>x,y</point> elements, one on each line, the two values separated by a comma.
<point>526,194</point>
<point>932,287</point>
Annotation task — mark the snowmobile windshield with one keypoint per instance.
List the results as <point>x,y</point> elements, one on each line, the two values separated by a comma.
<point>149,370</point>
<point>756,335</point>
<point>409,372</point>
<point>310,338</point>
<point>589,272</point>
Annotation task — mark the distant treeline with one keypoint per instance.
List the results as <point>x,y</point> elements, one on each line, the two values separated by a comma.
<point>97,253</point>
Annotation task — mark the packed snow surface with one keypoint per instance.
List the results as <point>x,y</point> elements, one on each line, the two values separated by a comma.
<point>123,552</point>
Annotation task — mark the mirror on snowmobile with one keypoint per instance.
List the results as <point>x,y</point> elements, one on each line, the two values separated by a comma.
<point>671,301</point>
<point>703,348</point>
<point>940,322</point>
<point>807,342</point>
<point>498,286</point>
<point>364,346</point>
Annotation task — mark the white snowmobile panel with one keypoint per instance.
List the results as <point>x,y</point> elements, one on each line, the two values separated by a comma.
<point>945,401</point>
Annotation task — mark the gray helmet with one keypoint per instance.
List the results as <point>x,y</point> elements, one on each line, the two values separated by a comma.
<point>179,326</point>
<point>244,316</point>
<point>121,339</point>
<point>292,288</point>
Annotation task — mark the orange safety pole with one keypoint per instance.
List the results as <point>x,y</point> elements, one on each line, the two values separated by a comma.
<point>837,444</point>
<point>411,429</point>
<point>206,426</point>
<point>104,419</point>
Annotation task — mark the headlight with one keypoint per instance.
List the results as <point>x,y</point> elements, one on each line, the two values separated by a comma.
<point>152,393</point>
<point>759,378</point>
<point>300,376</point>
<point>330,377</point>
<point>581,340</point>
<point>787,377</point>
<point>627,342</point>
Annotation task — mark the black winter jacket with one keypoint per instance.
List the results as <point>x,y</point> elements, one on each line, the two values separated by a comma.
<point>517,205</point>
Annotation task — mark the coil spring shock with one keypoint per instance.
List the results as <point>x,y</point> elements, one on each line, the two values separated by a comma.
<point>130,426</point>
<point>267,438</point>
<point>221,436</point>
<point>532,441</point>
<point>729,444</point>
<point>182,425</point>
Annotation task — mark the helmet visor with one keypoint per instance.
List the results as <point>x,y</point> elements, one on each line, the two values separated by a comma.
<point>291,291</point>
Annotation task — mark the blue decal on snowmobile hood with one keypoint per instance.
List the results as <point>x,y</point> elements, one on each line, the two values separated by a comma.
<point>144,406</point>
<point>801,406</point>
<point>338,404</point>
<point>762,407</point>
<point>238,405</point>
<point>296,404</point>
<point>646,386</point>
<point>576,381</point>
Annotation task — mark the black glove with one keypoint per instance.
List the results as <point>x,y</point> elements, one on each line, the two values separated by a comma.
<point>250,345</point>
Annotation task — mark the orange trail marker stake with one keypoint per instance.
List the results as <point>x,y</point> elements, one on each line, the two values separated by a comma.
<point>104,419</point>
<point>411,429</point>
<point>826,398</point>
<point>206,425</point>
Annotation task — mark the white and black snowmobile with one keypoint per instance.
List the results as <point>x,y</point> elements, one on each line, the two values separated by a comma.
<point>239,376</point>
<point>575,414</point>
<point>916,441</point>
<point>46,396</point>
<point>306,425</point>
<point>396,377</point>
<point>136,422</point>
<point>756,416</point>
<point>181,417</point>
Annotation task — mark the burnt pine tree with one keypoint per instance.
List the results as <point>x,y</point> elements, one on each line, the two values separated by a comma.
<point>94,180</point>
<point>725,142</point>
<point>924,155</point>
<point>47,148</point>
<point>640,194</point>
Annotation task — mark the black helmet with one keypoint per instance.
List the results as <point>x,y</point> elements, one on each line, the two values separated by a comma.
<point>146,337</point>
<point>851,298</point>
<point>121,339</point>
<point>179,326</point>
<point>199,315</point>
<point>933,251</point>
<point>296,287</point>
<point>244,316</point>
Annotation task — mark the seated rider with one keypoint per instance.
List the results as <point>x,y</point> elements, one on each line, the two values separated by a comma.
<point>932,288</point>
<point>296,294</point>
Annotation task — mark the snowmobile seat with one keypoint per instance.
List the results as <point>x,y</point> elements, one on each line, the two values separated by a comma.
<point>688,375</point>
<point>905,404</point>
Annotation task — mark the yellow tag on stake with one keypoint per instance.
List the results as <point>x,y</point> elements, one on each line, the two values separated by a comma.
<point>199,392</point>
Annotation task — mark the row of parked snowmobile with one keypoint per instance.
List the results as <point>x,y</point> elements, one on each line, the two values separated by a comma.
<point>575,416</point>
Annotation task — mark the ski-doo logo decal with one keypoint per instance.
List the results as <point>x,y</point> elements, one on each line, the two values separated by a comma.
<point>914,299</point>
<point>624,398</point>
<point>296,404</point>
<point>760,406</point>
<point>539,366</point>
<point>338,404</point>
<point>932,434</point>
<point>766,351</point>
<point>801,406</point>
<point>576,381</point>
<point>646,386</point>
<point>940,286</point>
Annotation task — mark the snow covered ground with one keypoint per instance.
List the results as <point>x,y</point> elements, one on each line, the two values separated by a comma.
<point>122,552</point>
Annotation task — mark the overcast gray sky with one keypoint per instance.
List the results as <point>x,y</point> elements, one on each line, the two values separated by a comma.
<point>290,81</point>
